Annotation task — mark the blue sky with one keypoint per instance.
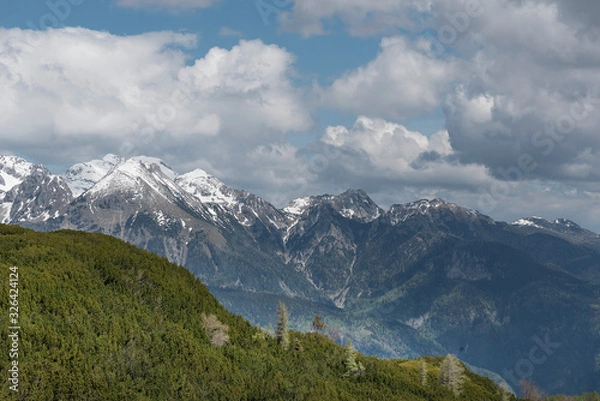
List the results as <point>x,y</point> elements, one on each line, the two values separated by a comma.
<point>492,105</point>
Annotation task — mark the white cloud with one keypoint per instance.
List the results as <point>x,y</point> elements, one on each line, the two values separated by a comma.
<point>175,5</point>
<point>226,31</point>
<point>385,151</point>
<point>402,81</point>
<point>72,81</point>
<point>254,76</point>
<point>75,93</point>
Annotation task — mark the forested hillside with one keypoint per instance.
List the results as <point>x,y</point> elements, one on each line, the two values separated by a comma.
<point>103,320</point>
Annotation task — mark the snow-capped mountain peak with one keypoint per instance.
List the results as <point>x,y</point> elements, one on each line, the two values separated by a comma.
<point>133,173</point>
<point>13,170</point>
<point>356,205</point>
<point>432,210</point>
<point>82,176</point>
<point>33,195</point>
<point>352,204</point>
<point>154,162</point>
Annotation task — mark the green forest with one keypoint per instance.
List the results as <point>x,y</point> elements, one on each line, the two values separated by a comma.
<point>99,319</point>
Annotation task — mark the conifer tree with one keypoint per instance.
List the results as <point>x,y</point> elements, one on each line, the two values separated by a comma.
<point>354,368</point>
<point>282,334</point>
<point>452,374</point>
<point>318,324</point>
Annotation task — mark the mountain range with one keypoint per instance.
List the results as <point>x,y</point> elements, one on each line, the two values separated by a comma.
<point>429,277</point>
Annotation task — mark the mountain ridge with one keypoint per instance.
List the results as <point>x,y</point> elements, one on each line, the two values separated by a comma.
<point>81,177</point>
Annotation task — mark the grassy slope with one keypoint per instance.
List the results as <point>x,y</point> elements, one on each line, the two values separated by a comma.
<point>103,320</point>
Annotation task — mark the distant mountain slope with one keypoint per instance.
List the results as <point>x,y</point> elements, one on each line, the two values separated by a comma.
<point>425,277</point>
<point>101,319</point>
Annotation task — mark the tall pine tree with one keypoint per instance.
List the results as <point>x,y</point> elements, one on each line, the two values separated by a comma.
<point>318,324</point>
<point>354,368</point>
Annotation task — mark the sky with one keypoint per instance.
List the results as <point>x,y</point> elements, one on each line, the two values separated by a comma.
<point>493,105</point>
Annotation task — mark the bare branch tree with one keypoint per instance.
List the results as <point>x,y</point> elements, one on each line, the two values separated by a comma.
<point>452,373</point>
<point>282,333</point>
<point>216,331</point>
<point>530,391</point>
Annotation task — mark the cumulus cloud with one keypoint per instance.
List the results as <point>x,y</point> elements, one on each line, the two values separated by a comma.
<point>402,81</point>
<point>384,153</point>
<point>73,93</point>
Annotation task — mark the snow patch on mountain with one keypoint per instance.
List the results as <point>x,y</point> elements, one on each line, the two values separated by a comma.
<point>206,188</point>
<point>526,223</point>
<point>298,206</point>
<point>5,208</point>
